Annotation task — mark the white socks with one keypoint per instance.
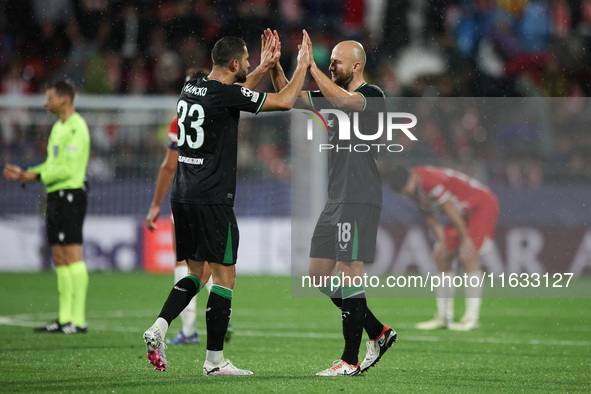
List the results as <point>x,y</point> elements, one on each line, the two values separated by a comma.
<point>162,325</point>
<point>445,298</point>
<point>473,297</point>
<point>215,356</point>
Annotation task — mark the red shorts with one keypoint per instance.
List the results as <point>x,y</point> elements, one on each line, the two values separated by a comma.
<point>481,222</point>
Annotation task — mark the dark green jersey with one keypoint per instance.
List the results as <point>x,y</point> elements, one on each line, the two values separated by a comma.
<point>208,113</point>
<point>68,149</point>
<point>353,175</point>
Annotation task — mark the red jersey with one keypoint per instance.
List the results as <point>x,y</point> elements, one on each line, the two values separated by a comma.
<point>172,134</point>
<point>444,184</point>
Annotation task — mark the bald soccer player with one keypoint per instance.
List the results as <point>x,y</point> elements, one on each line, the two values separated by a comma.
<point>345,234</point>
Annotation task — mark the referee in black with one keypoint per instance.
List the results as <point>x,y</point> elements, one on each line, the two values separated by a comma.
<point>204,187</point>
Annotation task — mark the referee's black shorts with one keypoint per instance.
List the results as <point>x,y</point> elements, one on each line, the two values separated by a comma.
<point>205,232</point>
<point>346,232</point>
<point>66,210</point>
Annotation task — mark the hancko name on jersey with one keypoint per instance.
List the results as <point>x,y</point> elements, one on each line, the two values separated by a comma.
<point>195,90</point>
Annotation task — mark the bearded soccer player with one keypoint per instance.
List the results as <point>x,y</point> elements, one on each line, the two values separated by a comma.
<point>354,203</point>
<point>188,334</point>
<point>204,188</point>
<point>64,174</point>
<point>472,211</point>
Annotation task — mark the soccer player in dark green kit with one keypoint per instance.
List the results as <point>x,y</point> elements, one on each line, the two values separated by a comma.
<point>64,174</point>
<point>345,235</point>
<point>204,188</point>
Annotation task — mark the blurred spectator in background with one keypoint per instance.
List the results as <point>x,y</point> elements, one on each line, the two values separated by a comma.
<point>14,82</point>
<point>423,48</point>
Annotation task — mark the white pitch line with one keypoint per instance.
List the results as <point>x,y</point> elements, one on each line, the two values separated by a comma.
<point>35,320</point>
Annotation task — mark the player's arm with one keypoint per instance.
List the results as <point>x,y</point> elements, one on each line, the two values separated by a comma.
<point>439,248</point>
<point>467,250</point>
<point>163,182</point>
<point>338,96</point>
<point>283,100</point>
<point>435,226</point>
<point>278,77</point>
<point>280,81</point>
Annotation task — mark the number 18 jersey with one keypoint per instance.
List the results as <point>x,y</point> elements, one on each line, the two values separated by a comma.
<point>208,112</point>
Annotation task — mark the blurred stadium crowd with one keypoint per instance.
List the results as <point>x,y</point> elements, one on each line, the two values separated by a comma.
<point>422,48</point>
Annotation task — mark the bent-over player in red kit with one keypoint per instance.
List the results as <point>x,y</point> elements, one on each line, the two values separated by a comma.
<point>472,211</point>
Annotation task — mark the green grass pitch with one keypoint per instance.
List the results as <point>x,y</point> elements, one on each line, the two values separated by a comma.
<point>523,344</point>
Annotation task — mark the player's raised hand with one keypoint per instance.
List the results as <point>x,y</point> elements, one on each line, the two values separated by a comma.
<point>151,218</point>
<point>12,172</point>
<point>310,50</point>
<point>277,52</point>
<point>268,49</point>
<point>304,51</point>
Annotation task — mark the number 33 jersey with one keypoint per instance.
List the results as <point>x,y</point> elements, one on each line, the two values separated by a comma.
<point>208,112</point>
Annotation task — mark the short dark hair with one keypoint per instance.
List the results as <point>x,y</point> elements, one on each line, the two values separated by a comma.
<point>397,177</point>
<point>227,49</point>
<point>64,87</point>
<point>195,73</point>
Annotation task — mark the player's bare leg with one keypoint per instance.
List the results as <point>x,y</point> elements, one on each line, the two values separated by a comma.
<point>471,318</point>
<point>444,294</point>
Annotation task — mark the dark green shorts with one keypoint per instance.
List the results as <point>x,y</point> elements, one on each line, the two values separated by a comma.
<point>205,233</point>
<point>346,232</point>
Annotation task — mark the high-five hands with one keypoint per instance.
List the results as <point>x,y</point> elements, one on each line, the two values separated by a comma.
<point>271,48</point>
<point>305,51</point>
